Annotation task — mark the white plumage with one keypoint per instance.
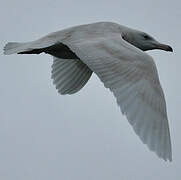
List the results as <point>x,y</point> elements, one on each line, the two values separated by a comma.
<point>69,75</point>
<point>116,54</point>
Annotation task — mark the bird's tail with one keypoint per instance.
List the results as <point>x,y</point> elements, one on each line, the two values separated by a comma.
<point>15,47</point>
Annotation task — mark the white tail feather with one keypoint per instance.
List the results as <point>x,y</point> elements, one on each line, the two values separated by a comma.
<point>15,47</point>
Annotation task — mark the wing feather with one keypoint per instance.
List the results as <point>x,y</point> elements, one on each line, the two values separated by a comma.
<point>132,76</point>
<point>69,75</point>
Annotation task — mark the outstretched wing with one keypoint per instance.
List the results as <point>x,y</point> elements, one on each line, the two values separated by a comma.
<point>132,77</point>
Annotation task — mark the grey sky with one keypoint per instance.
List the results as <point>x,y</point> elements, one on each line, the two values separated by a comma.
<point>44,135</point>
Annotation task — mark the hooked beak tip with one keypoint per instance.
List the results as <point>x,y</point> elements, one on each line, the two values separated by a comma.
<point>169,48</point>
<point>165,47</point>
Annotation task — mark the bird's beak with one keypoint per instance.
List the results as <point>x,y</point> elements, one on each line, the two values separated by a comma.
<point>164,47</point>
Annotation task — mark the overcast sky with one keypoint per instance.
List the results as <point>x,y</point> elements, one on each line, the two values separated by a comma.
<point>44,135</point>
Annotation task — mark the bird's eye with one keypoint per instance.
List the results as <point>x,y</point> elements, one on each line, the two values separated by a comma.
<point>146,37</point>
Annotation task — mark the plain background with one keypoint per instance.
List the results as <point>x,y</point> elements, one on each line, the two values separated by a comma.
<point>44,135</point>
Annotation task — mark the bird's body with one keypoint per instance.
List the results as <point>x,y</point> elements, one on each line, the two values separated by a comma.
<point>116,54</point>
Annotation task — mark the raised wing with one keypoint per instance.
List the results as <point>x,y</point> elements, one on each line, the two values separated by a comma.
<point>69,75</point>
<point>132,77</point>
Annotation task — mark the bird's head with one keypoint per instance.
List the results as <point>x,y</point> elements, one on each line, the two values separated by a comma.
<point>144,41</point>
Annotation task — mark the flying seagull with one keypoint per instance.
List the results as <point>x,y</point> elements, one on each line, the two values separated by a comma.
<point>116,54</point>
